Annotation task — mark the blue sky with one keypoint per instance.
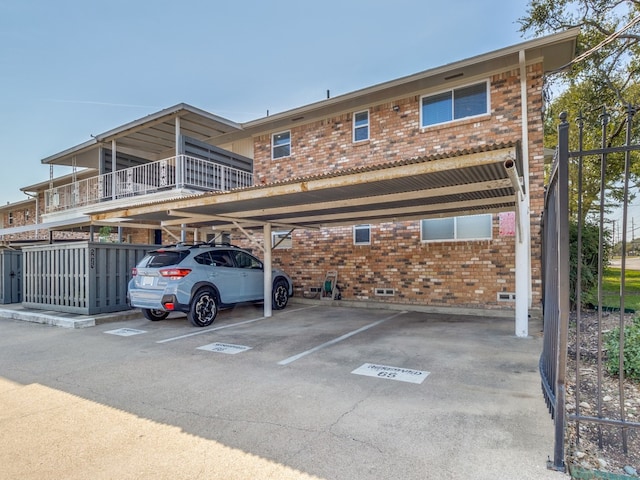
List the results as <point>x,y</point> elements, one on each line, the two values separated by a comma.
<point>72,68</point>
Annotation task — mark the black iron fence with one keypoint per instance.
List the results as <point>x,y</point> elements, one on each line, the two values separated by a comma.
<point>586,400</point>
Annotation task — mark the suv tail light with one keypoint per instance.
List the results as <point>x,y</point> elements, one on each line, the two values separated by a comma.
<point>134,272</point>
<point>175,273</point>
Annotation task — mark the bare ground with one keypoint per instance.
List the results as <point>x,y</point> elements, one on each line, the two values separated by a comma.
<point>590,445</point>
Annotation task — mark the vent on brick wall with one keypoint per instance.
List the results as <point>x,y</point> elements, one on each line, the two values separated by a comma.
<point>314,289</point>
<point>385,292</point>
<point>506,297</point>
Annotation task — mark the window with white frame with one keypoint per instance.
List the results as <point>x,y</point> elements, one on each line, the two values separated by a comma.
<point>26,215</point>
<point>455,104</point>
<point>281,145</point>
<point>10,218</point>
<point>361,126</point>
<point>362,234</point>
<point>470,227</point>
<point>281,240</point>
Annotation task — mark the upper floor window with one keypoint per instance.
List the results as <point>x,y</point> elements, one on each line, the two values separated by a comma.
<point>470,227</point>
<point>455,104</point>
<point>10,218</point>
<point>26,215</point>
<point>362,234</point>
<point>361,126</point>
<point>281,145</point>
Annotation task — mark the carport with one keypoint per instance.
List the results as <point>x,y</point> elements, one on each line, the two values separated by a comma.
<point>481,180</point>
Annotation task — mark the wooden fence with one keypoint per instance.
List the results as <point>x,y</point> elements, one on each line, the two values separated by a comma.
<point>84,277</point>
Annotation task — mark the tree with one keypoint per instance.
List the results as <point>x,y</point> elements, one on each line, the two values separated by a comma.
<point>605,75</point>
<point>609,39</point>
<point>581,103</point>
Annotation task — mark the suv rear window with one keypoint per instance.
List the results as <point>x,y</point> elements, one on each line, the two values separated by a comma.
<point>164,258</point>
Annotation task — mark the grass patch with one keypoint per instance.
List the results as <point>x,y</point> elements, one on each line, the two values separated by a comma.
<point>611,290</point>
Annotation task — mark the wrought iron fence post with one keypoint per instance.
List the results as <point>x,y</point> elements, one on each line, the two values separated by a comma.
<point>578,285</point>
<point>625,208</point>
<point>562,221</point>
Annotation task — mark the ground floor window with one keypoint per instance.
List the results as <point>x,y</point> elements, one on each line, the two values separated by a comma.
<point>362,234</point>
<point>470,227</point>
<point>281,240</point>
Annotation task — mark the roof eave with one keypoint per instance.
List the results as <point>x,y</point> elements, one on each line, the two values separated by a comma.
<point>441,71</point>
<point>174,111</point>
<point>170,112</point>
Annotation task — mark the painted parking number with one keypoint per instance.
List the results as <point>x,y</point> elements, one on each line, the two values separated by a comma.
<point>391,373</point>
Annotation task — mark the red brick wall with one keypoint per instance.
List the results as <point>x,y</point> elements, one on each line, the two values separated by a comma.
<point>453,273</point>
<point>536,177</point>
<point>326,146</point>
<point>463,274</point>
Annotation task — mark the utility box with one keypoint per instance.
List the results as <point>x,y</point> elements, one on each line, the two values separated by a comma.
<point>10,276</point>
<point>86,278</point>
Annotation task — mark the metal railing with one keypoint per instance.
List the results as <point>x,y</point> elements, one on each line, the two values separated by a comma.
<point>581,342</point>
<point>182,171</point>
<point>556,292</point>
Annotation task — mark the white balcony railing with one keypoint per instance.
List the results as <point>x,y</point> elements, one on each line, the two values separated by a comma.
<point>171,173</point>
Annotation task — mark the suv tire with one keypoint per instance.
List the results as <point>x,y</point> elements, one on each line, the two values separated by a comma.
<point>280,295</point>
<point>154,315</point>
<point>203,308</point>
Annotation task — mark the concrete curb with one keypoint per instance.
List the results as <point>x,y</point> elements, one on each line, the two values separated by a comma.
<point>65,320</point>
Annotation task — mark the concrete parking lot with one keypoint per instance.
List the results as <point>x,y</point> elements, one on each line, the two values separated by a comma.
<point>312,392</point>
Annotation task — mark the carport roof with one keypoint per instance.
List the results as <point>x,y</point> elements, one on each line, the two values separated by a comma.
<point>459,183</point>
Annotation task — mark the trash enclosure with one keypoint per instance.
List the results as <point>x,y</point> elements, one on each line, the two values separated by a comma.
<point>83,277</point>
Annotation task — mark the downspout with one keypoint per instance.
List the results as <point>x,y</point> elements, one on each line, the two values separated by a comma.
<point>512,173</point>
<point>523,234</point>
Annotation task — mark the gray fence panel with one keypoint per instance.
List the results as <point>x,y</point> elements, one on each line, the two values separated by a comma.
<point>84,277</point>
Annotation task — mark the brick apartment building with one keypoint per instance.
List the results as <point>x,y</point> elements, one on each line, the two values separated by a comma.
<point>456,242</point>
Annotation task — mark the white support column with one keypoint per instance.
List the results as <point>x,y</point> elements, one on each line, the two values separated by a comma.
<point>179,176</point>
<point>523,235</point>
<point>114,166</point>
<point>268,287</point>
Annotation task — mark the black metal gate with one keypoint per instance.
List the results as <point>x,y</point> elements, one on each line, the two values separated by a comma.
<point>574,338</point>
<point>10,276</point>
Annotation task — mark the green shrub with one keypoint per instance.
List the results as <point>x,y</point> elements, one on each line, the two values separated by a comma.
<point>631,350</point>
<point>590,260</point>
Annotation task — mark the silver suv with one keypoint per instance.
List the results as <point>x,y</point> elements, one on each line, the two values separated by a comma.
<point>200,279</point>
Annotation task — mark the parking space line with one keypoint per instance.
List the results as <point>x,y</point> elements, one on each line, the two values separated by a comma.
<point>200,332</point>
<point>293,358</point>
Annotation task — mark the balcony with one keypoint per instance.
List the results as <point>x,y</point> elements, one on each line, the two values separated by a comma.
<point>180,172</point>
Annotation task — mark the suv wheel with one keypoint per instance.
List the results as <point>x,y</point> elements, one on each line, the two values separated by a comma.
<point>154,315</point>
<point>204,308</point>
<point>280,295</point>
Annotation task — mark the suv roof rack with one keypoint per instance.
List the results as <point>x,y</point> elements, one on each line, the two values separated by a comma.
<point>199,245</point>
<point>212,243</point>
